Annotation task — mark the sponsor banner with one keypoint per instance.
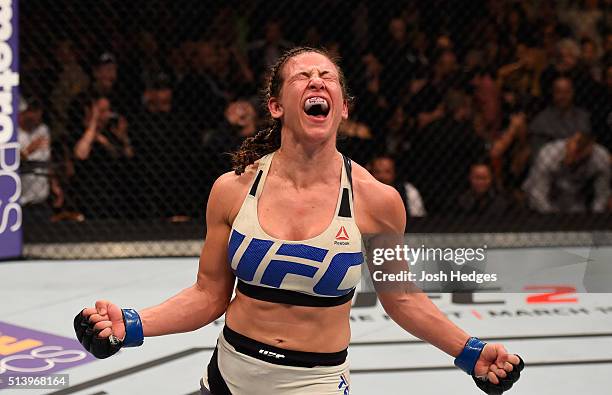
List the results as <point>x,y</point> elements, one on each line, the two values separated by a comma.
<point>10,185</point>
<point>27,352</point>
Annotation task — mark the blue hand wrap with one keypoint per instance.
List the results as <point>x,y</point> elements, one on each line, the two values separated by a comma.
<point>134,335</point>
<point>470,354</point>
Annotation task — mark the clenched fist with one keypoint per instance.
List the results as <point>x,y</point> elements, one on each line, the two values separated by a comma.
<point>105,328</point>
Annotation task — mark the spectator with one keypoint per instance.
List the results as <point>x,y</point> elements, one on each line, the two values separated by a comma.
<point>584,20</point>
<point>100,153</point>
<point>487,97</point>
<point>482,199</point>
<point>264,53</point>
<point>602,114</point>
<point>590,58</point>
<point>36,176</point>
<point>372,105</point>
<point>233,70</point>
<point>522,76</point>
<point>400,61</point>
<point>446,148</point>
<point>159,169</point>
<point>383,169</point>
<point>607,43</point>
<point>562,119</point>
<point>240,122</point>
<point>566,172</point>
<point>103,84</point>
<point>426,105</point>
<point>202,96</point>
<point>71,81</point>
<point>567,65</point>
<point>510,155</point>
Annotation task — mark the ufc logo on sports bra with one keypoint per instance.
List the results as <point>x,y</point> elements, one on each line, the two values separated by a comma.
<point>278,266</point>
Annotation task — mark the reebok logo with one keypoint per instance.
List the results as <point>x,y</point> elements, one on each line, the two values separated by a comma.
<point>342,235</point>
<point>271,354</point>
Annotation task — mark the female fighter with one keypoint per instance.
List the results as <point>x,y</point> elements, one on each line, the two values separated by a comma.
<point>287,225</point>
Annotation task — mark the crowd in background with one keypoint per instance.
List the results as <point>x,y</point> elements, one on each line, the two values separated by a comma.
<point>484,107</point>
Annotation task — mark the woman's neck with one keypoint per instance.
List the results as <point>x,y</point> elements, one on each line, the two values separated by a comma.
<point>304,165</point>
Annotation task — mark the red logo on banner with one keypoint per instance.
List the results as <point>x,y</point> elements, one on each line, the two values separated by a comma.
<point>342,235</point>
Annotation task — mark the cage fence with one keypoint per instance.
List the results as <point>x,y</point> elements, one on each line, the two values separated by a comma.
<point>488,117</point>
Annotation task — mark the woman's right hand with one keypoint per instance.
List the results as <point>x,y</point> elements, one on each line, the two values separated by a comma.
<point>107,318</point>
<point>95,325</point>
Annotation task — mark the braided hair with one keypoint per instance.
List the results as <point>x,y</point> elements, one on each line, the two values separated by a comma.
<point>268,140</point>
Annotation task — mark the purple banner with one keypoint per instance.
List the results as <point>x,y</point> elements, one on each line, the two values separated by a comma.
<point>10,185</point>
<point>26,352</point>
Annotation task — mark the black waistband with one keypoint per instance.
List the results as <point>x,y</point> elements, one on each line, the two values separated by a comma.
<point>292,297</point>
<point>280,356</point>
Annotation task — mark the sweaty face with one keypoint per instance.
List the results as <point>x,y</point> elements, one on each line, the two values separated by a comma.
<point>311,102</point>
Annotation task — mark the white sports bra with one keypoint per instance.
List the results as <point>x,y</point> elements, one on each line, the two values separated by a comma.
<point>320,271</point>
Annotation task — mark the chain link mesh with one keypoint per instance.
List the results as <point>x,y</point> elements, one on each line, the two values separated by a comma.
<point>487,116</point>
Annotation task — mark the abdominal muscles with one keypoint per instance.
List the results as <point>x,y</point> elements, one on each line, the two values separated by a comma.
<point>299,328</point>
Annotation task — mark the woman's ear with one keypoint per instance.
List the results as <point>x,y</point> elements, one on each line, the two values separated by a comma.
<point>345,109</point>
<point>275,108</point>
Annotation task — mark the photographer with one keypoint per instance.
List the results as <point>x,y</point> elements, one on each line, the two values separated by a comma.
<point>101,153</point>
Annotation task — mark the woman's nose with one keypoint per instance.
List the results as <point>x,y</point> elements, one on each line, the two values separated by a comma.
<point>316,83</point>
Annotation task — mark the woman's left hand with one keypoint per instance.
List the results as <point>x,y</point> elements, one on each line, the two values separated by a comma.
<point>496,371</point>
<point>495,363</point>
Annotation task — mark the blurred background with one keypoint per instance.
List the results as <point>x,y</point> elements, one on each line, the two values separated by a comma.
<point>487,116</point>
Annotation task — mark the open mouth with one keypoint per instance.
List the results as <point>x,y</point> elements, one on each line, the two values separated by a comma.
<point>316,107</point>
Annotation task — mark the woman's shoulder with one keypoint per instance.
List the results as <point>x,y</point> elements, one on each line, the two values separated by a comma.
<point>231,183</point>
<point>229,191</point>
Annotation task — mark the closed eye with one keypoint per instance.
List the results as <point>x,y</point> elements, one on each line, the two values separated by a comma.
<point>328,76</point>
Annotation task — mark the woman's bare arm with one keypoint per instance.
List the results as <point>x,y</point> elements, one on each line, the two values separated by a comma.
<point>208,298</point>
<point>409,307</point>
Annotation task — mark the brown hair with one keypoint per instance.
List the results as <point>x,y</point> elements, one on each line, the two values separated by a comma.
<point>269,139</point>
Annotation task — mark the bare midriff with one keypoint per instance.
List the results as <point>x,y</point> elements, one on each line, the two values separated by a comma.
<point>298,328</point>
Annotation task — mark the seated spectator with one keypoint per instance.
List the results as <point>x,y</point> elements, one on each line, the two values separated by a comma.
<point>426,105</point>
<point>372,105</point>
<point>263,53</point>
<point>241,121</point>
<point>383,169</point>
<point>163,155</point>
<point>523,76</point>
<point>446,148</point>
<point>482,198</point>
<point>510,155</point>
<point>36,178</point>
<point>71,81</point>
<point>356,139</point>
<point>590,58</point>
<point>202,95</point>
<point>567,64</point>
<point>399,61</point>
<point>570,175</point>
<point>100,148</point>
<point>602,114</point>
<point>560,120</point>
<point>104,83</point>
